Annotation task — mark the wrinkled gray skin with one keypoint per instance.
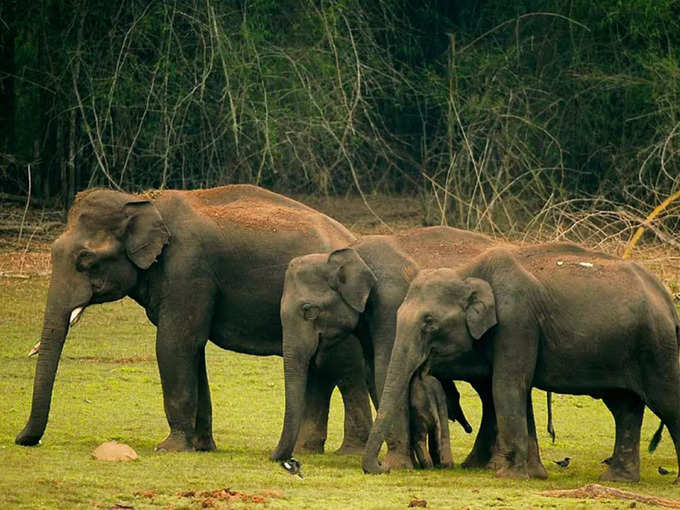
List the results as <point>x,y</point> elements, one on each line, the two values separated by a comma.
<point>205,264</point>
<point>557,317</point>
<point>330,298</point>
<point>428,413</point>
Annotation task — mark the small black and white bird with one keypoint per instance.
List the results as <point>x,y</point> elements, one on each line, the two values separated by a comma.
<point>292,466</point>
<point>563,463</point>
<point>663,471</point>
<point>607,461</point>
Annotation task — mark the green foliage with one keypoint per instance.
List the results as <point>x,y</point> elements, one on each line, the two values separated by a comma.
<point>508,106</point>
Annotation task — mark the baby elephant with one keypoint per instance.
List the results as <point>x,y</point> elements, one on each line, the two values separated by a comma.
<point>429,420</point>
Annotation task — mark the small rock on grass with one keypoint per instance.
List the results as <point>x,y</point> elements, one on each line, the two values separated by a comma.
<point>415,502</point>
<point>115,452</point>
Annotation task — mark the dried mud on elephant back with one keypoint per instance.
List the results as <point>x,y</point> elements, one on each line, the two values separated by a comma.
<point>596,491</point>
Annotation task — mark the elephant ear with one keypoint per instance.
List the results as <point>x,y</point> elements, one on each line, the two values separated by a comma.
<point>480,310</point>
<point>145,234</point>
<point>351,277</point>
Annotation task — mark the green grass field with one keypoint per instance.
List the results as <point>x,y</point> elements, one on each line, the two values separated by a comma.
<point>108,388</point>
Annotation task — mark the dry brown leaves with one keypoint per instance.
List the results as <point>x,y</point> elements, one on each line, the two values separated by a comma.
<point>417,503</point>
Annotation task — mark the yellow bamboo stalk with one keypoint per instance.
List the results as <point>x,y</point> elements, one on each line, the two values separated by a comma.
<point>652,215</point>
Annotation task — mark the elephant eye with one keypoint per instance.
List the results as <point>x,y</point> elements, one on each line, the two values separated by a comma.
<point>310,311</point>
<point>429,324</point>
<point>86,260</point>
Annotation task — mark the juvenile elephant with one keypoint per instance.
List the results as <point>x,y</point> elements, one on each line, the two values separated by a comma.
<point>205,264</point>
<point>557,317</point>
<point>430,439</point>
<point>331,298</point>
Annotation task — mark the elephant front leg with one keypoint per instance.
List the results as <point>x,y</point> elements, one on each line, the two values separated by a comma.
<point>351,378</point>
<point>627,409</point>
<point>313,429</point>
<point>398,441</point>
<point>510,397</point>
<point>180,343</point>
<point>180,403</point>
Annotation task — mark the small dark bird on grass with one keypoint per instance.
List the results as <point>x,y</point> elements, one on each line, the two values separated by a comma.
<point>292,466</point>
<point>663,471</point>
<point>607,461</point>
<point>563,463</point>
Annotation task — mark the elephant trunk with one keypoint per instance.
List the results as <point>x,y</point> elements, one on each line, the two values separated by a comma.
<point>298,348</point>
<point>64,295</point>
<point>394,403</point>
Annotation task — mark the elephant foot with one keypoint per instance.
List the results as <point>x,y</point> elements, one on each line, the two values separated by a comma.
<point>497,462</point>
<point>310,446</point>
<point>618,474</point>
<point>475,460</point>
<point>175,442</point>
<point>537,470</point>
<point>373,467</point>
<point>204,444</point>
<point>397,460</point>
<point>514,472</point>
<point>426,463</point>
<point>445,465</point>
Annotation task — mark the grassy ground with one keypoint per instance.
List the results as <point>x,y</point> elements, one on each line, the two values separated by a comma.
<point>108,388</point>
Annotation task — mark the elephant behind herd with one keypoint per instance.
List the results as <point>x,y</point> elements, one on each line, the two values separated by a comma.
<point>259,273</point>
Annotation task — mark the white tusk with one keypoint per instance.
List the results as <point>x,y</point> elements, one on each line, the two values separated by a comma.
<point>76,314</point>
<point>35,350</point>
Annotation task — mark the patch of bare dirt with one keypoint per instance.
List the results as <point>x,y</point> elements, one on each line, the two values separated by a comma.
<point>25,239</point>
<point>217,498</point>
<point>596,491</point>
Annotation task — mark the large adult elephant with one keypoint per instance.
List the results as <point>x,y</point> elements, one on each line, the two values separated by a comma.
<point>557,317</point>
<point>331,298</point>
<point>206,264</point>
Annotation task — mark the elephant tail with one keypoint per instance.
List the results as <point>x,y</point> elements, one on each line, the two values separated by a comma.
<point>551,428</point>
<point>656,438</point>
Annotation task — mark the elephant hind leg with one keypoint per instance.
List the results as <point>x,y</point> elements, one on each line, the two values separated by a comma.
<point>534,465</point>
<point>480,457</point>
<point>420,449</point>
<point>203,439</point>
<point>666,406</point>
<point>627,409</point>
<point>445,459</point>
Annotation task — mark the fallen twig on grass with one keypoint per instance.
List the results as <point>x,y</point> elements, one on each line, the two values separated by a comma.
<point>596,491</point>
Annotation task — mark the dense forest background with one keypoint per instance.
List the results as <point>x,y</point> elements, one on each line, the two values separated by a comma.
<point>496,112</point>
